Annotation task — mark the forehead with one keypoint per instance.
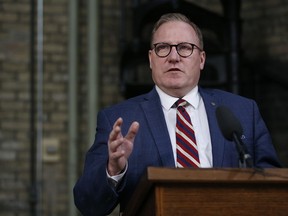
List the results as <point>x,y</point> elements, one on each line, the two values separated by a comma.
<point>175,31</point>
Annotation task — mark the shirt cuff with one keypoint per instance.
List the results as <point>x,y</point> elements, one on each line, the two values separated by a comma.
<point>114,180</point>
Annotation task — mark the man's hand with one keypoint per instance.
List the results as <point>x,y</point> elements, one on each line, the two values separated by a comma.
<point>120,147</point>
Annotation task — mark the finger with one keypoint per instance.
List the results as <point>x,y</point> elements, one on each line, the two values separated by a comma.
<point>116,155</point>
<point>118,122</point>
<point>114,145</point>
<point>132,131</point>
<point>116,130</point>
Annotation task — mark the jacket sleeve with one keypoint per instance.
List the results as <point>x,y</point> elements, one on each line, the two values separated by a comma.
<point>93,194</point>
<point>265,155</point>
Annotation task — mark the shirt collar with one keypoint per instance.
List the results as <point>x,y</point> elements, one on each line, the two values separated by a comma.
<point>167,101</point>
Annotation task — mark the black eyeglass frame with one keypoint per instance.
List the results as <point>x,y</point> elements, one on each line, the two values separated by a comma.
<point>176,46</point>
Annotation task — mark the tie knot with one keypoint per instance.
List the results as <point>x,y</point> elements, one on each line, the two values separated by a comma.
<point>181,103</point>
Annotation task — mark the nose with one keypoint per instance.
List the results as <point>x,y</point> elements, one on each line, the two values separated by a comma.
<point>173,55</point>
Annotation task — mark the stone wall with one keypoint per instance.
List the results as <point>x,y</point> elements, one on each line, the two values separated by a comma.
<point>265,59</point>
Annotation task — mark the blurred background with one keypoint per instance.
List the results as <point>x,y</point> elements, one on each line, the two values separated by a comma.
<point>61,61</point>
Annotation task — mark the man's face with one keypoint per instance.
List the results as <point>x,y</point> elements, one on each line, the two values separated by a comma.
<point>174,74</point>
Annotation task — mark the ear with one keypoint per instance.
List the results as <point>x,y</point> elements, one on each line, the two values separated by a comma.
<point>202,59</point>
<point>149,56</point>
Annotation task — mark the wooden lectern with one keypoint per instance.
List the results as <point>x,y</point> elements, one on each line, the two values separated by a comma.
<point>172,191</point>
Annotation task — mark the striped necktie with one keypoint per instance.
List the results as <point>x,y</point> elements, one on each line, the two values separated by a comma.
<point>186,147</point>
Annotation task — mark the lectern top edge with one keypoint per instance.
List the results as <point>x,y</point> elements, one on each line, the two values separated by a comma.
<point>156,174</point>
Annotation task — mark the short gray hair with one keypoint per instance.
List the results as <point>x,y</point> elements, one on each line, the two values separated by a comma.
<point>177,17</point>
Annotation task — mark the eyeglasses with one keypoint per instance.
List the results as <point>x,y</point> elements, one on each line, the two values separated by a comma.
<point>183,49</point>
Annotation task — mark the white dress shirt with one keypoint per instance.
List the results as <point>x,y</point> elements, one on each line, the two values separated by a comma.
<point>197,112</point>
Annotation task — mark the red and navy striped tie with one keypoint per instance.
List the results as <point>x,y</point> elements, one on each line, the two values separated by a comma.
<point>186,147</point>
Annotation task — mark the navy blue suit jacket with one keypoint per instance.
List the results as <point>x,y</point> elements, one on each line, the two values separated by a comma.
<point>93,193</point>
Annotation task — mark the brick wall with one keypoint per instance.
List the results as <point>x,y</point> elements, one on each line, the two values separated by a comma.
<point>264,39</point>
<point>14,107</point>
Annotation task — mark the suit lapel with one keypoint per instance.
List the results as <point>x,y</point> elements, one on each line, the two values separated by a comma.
<point>156,122</point>
<point>217,140</point>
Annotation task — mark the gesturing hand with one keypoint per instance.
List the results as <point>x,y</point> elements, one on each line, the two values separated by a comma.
<point>120,147</point>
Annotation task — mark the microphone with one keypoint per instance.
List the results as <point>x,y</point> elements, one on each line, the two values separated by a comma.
<point>232,130</point>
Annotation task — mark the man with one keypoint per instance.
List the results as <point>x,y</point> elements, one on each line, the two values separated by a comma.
<point>141,131</point>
